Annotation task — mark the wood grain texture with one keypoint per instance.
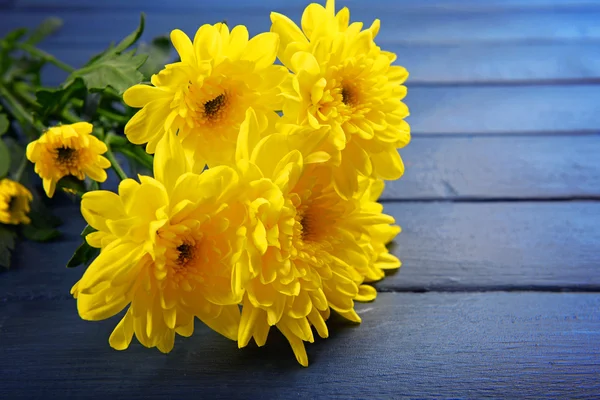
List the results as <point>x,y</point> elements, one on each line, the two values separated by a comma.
<point>497,110</point>
<point>517,167</point>
<point>444,246</point>
<point>496,246</point>
<point>409,345</point>
<point>398,25</point>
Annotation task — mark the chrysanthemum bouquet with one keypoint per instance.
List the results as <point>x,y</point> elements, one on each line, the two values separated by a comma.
<point>262,207</point>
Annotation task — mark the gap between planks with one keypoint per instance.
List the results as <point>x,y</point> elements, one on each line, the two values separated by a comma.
<point>401,290</point>
<point>495,199</point>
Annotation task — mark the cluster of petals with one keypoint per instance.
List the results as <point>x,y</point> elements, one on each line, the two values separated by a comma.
<point>68,150</point>
<point>15,203</point>
<point>344,82</point>
<point>283,227</point>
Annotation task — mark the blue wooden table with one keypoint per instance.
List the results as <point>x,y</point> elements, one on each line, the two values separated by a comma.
<point>500,204</point>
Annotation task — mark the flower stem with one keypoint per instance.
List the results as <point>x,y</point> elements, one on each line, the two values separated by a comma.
<point>22,165</point>
<point>34,51</point>
<point>111,157</point>
<point>105,113</point>
<point>16,109</point>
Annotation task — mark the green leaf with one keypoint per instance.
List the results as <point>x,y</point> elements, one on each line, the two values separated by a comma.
<point>46,28</point>
<point>123,45</point>
<point>4,159</point>
<point>12,37</point>
<point>7,44</point>
<point>87,230</point>
<point>7,245</point>
<point>73,185</point>
<point>117,71</point>
<point>39,234</point>
<point>40,215</point>
<point>4,124</point>
<point>53,100</point>
<point>84,253</point>
<point>132,37</point>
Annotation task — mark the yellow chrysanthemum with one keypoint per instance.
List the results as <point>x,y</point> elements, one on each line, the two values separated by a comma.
<point>304,240</point>
<point>167,248</point>
<point>379,235</point>
<point>15,202</point>
<point>343,81</point>
<point>68,150</point>
<point>204,97</point>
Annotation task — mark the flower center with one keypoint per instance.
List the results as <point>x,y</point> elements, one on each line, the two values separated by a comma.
<point>214,108</point>
<point>349,95</point>
<point>12,204</point>
<point>308,227</point>
<point>186,254</point>
<point>66,155</point>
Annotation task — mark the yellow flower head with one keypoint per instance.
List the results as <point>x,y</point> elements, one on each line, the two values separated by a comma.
<point>68,150</point>
<point>303,250</point>
<point>167,247</point>
<point>346,83</point>
<point>14,202</point>
<point>204,97</point>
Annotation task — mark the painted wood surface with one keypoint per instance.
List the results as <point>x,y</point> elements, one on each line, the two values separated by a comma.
<point>436,26</point>
<point>500,196</point>
<point>499,168</point>
<point>474,345</point>
<point>444,247</point>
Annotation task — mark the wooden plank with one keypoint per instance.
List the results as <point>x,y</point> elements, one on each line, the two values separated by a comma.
<point>496,246</point>
<point>503,109</point>
<point>455,64</point>
<point>398,26</point>
<point>500,345</point>
<point>493,167</point>
<point>444,246</point>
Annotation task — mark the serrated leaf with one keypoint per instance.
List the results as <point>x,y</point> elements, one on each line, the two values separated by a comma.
<point>39,234</point>
<point>46,28</point>
<point>4,124</point>
<point>52,100</point>
<point>118,71</point>
<point>132,37</point>
<point>122,46</point>
<point>4,159</point>
<point>7,245</point>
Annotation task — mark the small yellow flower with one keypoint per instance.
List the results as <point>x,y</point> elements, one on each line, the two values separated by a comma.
<point>167,248</point>
<point>343,81</point>
<point>14,202</point>
<point>204,97</point>
<point>68,150</point>
<point>305,242</point>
